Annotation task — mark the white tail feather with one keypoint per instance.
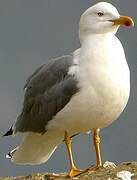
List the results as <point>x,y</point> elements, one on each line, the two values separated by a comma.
<point>36,148</point>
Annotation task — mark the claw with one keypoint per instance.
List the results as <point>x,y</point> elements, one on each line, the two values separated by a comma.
<point>75,172</point>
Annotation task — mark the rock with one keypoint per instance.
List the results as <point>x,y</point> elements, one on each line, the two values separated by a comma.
<point>109,171</point>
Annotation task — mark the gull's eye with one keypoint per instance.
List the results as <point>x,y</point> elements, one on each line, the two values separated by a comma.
<point>100,14</point>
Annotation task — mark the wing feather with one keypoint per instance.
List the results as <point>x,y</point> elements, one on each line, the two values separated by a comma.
<point>48,90</point>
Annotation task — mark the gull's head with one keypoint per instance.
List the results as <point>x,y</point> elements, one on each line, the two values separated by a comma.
<point>102,18</point>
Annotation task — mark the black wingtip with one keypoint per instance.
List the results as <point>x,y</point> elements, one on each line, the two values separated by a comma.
<point>9,132</point>
<point>11,153</point>
<point>9,156</point>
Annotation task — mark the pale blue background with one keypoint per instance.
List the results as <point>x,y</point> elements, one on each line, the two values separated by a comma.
<point>33,31</point>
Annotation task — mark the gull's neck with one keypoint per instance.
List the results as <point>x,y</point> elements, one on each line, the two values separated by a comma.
<point>86,38</point>
<point>94,42</point>
<point>101,49</point>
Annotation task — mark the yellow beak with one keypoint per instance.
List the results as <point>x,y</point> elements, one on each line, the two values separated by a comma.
<point>124,20</point>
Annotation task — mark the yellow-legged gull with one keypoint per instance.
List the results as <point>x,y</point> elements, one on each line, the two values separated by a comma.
<point>86,90</point>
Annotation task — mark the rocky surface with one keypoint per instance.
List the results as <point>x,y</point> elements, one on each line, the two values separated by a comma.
<point>109,171</point>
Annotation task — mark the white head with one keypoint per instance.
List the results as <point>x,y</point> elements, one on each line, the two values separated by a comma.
<point>102,18</point>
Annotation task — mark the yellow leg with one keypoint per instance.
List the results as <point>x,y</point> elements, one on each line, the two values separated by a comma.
<point>73,170</point>
<point>96,139</point>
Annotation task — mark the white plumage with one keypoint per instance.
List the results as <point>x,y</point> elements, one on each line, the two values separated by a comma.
<point>37,148</point>
<point>104,81</point>
<point>105,85</point>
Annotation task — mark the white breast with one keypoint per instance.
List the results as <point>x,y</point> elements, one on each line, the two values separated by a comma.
<point>104,81</point>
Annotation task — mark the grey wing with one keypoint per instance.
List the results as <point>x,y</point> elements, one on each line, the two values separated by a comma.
<point>48,90</point>
<point>35,73</point>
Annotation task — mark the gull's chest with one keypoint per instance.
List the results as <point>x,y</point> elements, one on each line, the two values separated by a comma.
<point>104,84</point>
<point>103,65</point>
<point>107,88</point>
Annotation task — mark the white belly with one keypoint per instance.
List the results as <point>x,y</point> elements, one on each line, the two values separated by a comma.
<point>92,107</point>
<point>104,82</point>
